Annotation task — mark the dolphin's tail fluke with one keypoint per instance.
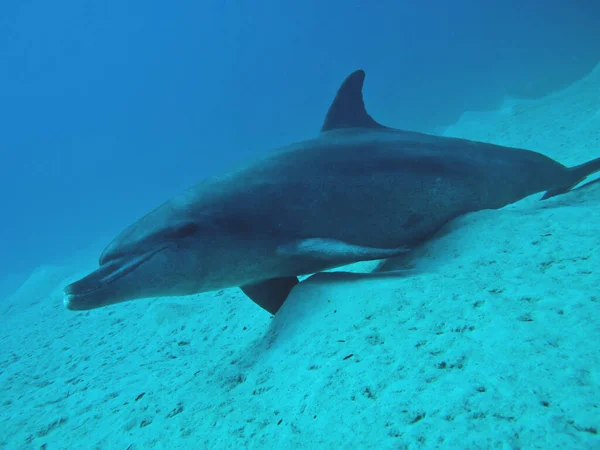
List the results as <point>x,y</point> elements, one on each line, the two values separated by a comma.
<point>576,175</point>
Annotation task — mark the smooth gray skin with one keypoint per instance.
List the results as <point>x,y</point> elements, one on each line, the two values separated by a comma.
<point>358,191</point>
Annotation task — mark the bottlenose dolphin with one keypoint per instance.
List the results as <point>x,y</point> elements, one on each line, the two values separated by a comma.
<point>359,191</point>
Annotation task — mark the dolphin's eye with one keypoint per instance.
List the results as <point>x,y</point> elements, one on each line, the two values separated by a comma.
<point>183,231</point>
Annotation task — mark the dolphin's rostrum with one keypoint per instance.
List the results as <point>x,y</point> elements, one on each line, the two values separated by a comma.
<point>358,191</point>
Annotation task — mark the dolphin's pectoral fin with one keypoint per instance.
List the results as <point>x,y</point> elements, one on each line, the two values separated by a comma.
<point>270,294</point>
<point>331,249</point>
<point>348,107</point>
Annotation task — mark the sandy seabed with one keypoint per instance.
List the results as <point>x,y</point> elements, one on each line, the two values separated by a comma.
<point>491,341</point>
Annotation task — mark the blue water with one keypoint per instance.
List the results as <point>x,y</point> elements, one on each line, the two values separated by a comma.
<point>109,108</point>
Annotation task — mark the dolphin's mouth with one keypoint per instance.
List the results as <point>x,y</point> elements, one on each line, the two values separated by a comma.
<point>107,274</point>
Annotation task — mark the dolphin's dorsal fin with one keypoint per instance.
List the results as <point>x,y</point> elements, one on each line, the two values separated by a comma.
<point>348,107</point>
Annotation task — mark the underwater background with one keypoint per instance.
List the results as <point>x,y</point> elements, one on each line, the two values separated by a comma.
<point>110,108</point>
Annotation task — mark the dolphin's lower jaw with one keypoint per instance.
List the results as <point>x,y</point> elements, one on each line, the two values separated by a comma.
<point>108,294</point>
<point>100,287</point>
<point>88,293</point>
<point>81,302</point>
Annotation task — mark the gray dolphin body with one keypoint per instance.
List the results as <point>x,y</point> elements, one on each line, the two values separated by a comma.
<point>359,191</point>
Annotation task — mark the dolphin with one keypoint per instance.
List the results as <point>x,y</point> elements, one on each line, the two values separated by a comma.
<point>358,191</point>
